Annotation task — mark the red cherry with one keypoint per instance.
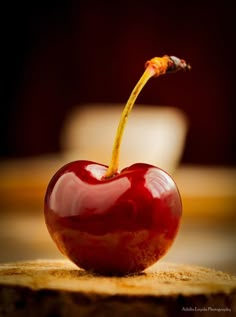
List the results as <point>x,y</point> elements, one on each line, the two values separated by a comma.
<point>111,222</point>
<point>118,225</point>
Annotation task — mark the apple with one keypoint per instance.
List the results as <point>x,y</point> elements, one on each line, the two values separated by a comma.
<point>115,222</point>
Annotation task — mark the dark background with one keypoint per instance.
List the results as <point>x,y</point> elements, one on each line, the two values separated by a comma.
<point>58,55</point>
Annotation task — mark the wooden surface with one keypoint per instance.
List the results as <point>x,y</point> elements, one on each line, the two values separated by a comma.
<point>59,288</point>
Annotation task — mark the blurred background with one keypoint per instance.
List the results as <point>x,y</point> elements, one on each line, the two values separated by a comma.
<point>61,57</point>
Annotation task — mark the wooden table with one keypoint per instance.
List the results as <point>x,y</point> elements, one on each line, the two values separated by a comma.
<point>59,288</point>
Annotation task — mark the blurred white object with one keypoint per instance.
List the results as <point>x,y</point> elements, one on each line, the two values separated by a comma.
<point>153,134</point>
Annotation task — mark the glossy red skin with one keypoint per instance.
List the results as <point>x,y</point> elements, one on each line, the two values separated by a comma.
<point>115,226</point>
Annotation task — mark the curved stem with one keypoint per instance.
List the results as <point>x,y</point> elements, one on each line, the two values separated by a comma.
<point>155,67</point>
<point>113,167</point>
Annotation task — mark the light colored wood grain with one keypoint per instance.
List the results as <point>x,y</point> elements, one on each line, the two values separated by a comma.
<point>165,289</point>
<point>163,278</point>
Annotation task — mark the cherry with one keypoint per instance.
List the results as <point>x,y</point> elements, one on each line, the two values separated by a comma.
<point>110,221</point>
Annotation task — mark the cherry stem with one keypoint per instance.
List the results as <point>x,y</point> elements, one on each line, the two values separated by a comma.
<point>155,67</point>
